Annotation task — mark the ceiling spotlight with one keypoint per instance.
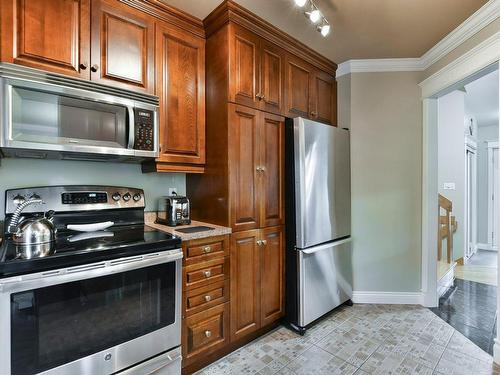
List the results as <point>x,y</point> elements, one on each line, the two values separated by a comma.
<point>325,29</point>
<point>300,3</point>
<point>314,16</point>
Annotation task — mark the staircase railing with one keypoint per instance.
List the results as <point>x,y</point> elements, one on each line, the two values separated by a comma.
<point>447,226</point>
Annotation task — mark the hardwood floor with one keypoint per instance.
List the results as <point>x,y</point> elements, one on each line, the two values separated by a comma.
<point>481,268</point>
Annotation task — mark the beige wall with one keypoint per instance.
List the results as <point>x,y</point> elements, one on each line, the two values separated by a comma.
<point>384,113</point>
<point>386,126</point>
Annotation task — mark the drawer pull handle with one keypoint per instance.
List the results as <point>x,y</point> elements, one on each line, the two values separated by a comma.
<point>208,298</point>
<point>207,249</point>
<point>208,333</point>
<point>208,273</point>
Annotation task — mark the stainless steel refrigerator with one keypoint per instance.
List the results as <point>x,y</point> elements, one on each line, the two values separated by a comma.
<point>318,221</point>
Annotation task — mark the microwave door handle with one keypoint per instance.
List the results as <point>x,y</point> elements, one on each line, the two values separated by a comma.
<point>131,127</point>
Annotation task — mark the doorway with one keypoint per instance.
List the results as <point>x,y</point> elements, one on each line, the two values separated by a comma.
<point>467,169</point>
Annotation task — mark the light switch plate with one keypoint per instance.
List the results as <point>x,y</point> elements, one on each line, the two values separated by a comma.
<point>449,186</point>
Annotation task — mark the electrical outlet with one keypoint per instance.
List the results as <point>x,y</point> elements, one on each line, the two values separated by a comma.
<point>172,191</point>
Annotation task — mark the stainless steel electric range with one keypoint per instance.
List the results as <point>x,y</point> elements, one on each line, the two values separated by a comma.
<point>103,297</point>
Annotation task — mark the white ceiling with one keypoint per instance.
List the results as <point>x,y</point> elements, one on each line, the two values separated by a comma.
<point>481,100</point>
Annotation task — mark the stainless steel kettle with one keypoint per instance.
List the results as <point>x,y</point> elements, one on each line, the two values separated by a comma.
<point>33,230</point>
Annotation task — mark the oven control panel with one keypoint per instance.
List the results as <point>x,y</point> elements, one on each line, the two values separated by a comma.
<point>144,138</point>
<point>74,198</point>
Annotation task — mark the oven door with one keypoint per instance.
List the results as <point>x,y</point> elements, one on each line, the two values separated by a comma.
<point>94,319</point>
<point>55,119</point>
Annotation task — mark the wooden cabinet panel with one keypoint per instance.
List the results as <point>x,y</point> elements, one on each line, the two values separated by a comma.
<point>243,159</point>
<point>272,272</point>
<point>205,273</point>
<point>49,35</point>
<point>271,77</point>
<point>204,333</point>
<point>122,46</point>
<point>180,72</point>
<point>245,283</point>
<point>244,67</point>
<point>205,249</point>
<point>272,177</point>
<point>298,87</point>
<point>200,299</point>
<point>324,103</point>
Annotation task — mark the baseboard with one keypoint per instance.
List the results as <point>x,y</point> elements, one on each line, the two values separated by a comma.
<point>392,298</point>
<point>446,281</point>
<point>486,246</point>
<point>460,261</point>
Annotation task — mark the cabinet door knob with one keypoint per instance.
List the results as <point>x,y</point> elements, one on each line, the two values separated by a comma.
<point>314,113</point>
<point>207,249</point>
<point>208,273</point>
<point>259,242</point>
<point>94,68</point>
<point>262,169</point>
<point>208,333</point>
<point>84,65</point>
<point>264,242</point>
<point>208,298</point>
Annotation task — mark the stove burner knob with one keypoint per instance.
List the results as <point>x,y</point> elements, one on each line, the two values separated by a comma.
<point>127,197</point>
<point>137,197</point>
<point>19,199</point>
<point>116,197</point>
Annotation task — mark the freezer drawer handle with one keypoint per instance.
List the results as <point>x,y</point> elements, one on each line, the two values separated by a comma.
<point>327,246</point>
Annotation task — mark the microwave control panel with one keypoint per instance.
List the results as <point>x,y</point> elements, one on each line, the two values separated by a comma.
<point>144,130</point>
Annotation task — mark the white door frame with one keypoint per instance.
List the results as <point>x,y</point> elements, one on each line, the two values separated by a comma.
<point>470,215</point>
<point>475,63</point>
<point>491,147</point>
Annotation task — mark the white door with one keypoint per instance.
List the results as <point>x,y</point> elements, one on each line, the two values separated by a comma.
<point>470,207</point>
<point>496,200</point>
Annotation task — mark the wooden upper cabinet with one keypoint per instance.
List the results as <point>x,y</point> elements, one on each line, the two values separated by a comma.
<point>243,162</point>
<point>272,274</point>
<point>122,46</point>
<point>272,151</point>
<point>244,67</point>
<point>271,77</point>
<point>298,86</point>
<point>49,35</point>
<point>324,98</point>
<point>245,284</point>
<point>180,72</point>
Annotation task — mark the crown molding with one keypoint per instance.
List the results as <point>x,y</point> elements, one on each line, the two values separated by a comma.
<point>471,26</point>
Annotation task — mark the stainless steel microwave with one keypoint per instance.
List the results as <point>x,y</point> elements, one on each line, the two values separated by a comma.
<point>47,115</point>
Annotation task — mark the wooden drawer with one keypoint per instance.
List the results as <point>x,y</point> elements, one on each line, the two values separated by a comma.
<point>205,332</point>
<point>206,273</point>
<point>200,299</point>
<point>205,249</point>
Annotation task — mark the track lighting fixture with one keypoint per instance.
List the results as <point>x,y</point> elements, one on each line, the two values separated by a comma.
<point>315,16</point>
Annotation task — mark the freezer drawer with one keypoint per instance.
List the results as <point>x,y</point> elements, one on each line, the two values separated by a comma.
<point>325,279</point>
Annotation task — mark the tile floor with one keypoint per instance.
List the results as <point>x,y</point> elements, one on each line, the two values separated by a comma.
<point>361,340</point>
<point>470,308</point>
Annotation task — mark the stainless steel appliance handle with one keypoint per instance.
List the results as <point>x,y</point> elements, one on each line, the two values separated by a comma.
<point>329,245</point>
<point>87,271</point>
<point>156,364</point>
<point>131,127</point>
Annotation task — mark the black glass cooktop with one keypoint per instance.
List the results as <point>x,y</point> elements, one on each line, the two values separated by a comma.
<point>74,248</point>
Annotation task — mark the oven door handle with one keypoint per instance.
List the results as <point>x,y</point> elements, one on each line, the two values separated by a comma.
<point>87,271</point>
<point>131,127</point>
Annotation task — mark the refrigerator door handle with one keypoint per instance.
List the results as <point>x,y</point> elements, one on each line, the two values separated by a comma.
<point>326,246</point>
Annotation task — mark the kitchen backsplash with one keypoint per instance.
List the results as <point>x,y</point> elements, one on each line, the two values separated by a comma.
<point>17,173</point>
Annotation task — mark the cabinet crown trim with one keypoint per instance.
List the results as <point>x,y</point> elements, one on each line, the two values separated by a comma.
<point>229,11</point>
